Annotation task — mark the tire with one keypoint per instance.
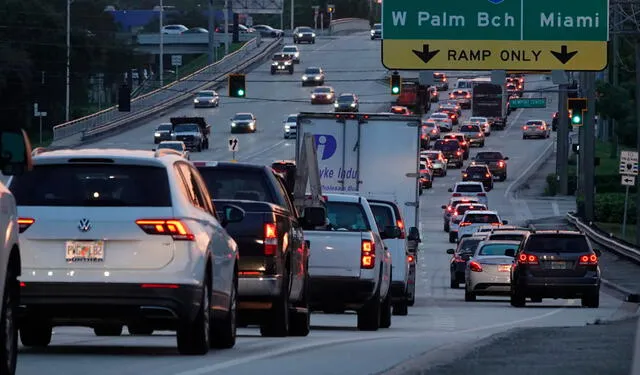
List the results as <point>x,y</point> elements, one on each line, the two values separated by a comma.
<point>369,315</point>
<point>199,147</point>
<point>591,300</point>
<point>446,227</point>
<point>401,308</point>
<point>444,174</point>
<point>193,335</point>
<point>517,299</point>
<point>276,322</point>
<point>524,137</point>
<point>385,313</point>
<point>35,333</point>
<point>469,296</point>
<point>452,238</point>
<point>8,325</point>
<point>453,284</point>
<point>482,144</point>
<point>108,330</point>
<point>223,333</point>
<point>206,144</point>
<point>140,329</point>
<point>300,321</point>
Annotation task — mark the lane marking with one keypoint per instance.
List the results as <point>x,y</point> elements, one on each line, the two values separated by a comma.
<point>513,322</point>
<point>555,208</point>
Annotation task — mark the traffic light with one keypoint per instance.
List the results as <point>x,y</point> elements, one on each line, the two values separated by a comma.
<point>577,108</point>
<point>396,83</point>
<point>124,99</point>
<point>237,86</point>
<point>331,8</point>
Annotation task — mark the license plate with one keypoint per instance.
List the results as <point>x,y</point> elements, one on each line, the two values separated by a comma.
<point>504,267</point>
<point>84,251</point>
<point>558,265</point>
<point>477,176</point>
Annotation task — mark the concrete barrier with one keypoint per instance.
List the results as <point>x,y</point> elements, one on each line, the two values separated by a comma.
<point>346,25</point>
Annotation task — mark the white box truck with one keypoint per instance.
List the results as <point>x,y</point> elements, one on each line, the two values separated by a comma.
<point>377,157</point>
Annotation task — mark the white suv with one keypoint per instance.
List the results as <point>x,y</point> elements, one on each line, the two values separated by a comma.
<point>472,189</point>
<point>118,237</point>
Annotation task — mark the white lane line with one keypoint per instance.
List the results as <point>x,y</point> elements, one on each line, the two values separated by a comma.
<point>510,323</point>
<point>534,163</point>
<point>256,153</point>
<point>555,208</point>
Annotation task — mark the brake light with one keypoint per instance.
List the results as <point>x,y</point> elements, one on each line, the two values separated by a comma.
<point>482,194</point>
<point>175,228</point>
<point>475,266</point>
<point>410,259</point>
<point>527,259</point>
<point>468,96</point>
<point>270,239</point>
<point>24,223</point>
<point>400,224</point>
<point>367,255</point>
<point>589,260</point>
<point>541,127</point>
<point>458,259</point>
<point>459,153</point>
<point>423,136</point>
<point>465,224</point>
<point>160,286</point>
<point>463,143</point>
<point>487,175</point>
<point>479,134</point>
<point>456,195</point>
<point>500,164</point>
<point>524,127</point>
<point>433,131</point>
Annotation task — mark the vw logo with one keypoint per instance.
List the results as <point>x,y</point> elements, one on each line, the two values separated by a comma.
<point>496,1</point>
<point>84,225</point>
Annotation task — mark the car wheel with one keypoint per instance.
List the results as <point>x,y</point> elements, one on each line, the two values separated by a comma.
<point>300,317</point>
<point>446,227</point>
<point>469,296</point>
<point>482,144</point>
<point>140,329</point>
<point>35,333</point>
<point>453,284</point>
<point>276,322</point>
<point>517,298</point>
<point>591,300</point>
<point>193,335</point>
<point>444,174</point>
<point>223,333</point>
<point>452,237</point>
<point>8,325</point>
<point>401,308</point>
<point>369,315</point>
<point>524,136</point>
<point>385,313</point>
<point>108,330</point>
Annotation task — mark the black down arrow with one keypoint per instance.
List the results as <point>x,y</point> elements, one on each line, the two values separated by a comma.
<point>425,55</point>
<point>564,55</point>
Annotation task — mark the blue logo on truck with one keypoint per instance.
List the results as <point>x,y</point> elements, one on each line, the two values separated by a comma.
<point>328,143</point>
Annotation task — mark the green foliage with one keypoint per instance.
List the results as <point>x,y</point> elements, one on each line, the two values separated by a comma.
<point>614,102</point>
<point>609,208</point>
<point>552,185</point>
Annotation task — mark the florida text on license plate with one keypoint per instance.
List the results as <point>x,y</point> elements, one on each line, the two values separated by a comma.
<point>504,267</point>
<point>84,251</point>
<point>558,265</point>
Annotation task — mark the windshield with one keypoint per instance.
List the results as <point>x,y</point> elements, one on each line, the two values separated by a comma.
<point>186,128</point>
<point>305,30</point>
<point>290,50</point>
<point>439,77</point>
<point>439,116</point>
<point>468,246</point>
<point>496,249</point>
<point>507,237</point>
<point>446,146</point>
<point>345,99</point>
<point>173,146</point>
<point>488,156</point>
<point>478,119</point>
<point>164,127</point>
<point>345,216</point>
<point>482,218</point>
<point>242,117</point>
<point>469,188</point>
<point>322,90</point>
<point>205,94</point>
<point>432,156</point>
<point>383,215</point>
<point>377,26</point>
<point>534,122</point>
<point>292,119</point>
<point>93,185</point>
<point>237,184</point>
<point>281,57</point>
<point>459,93</point>
<point>470,128</point>
<point>558,243</point>
<point>312,71</point>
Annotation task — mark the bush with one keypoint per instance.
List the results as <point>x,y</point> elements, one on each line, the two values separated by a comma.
<point>609,208</point>
<point>552,185</point>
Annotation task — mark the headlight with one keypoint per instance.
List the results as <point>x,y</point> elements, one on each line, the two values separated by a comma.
<point>252,124</point>
<point>297,54</point>
<point>372,32</point>
<point>313,35</point>
<point>329,96</point>
<point>287,127</point>
<point>335,105</point>
<point>211,100</point>
<point>274,63</point>
<point>353,105</point>
<point>287,63</point>
<point>196,101</point>
<point>299,35</point>
<point>313,96</point>
<point>156,134</point>
<point>233,124</point>
<point>318,78</point>
<point>304,78</point>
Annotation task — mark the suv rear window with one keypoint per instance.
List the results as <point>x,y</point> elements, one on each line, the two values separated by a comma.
<point>482,218</point>
<point>507,237</point>
<point>489,156</point>
<point>94,185</point>
<point>470,128</point>
<point>462,208</point>
<point>449,145</point>
<point>237,184</point>
<point>477,169</point>
<point>557,243</point>
<point>383,215</point>
<point>469,188</point>
<point>495,249</point>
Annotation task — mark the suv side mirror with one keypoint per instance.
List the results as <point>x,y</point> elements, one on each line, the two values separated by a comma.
<point>505,222</point>
<point>391,232</point>
<point>15,152</point>
<point>231,214</point>
<point>510,253</point>
<point>314,216</point>
<point>414,234</point>
<point>450,251</point>
<point>506,158</point>
<point>450,190</point>
<point>444,206</point>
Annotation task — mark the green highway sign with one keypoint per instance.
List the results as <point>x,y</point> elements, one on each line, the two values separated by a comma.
<point>495,34</point>
<point>528,103</point>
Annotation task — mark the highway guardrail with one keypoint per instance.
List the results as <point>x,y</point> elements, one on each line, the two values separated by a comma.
<point>349,24</point>
<point>606,240</point>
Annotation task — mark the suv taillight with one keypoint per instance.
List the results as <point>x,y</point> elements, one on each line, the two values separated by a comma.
<point>464,224</point>
<point>589,260</point>
<point>475,266</point>
<point>525,258</point>
<point>175,228</point>
<point>367,255</point>
<point>270,239</point>
<point>24,223</point>
<point>400,224</point>
<point>456,195</point>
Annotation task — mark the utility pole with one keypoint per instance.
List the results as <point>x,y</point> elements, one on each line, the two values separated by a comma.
<point>161,44</point>
<point>211,27</point>
<point>562,153</point>
<point>227,9</point>
<point>589,146</point>
<point>615,78</point>
<point>293,6</point>
<point>68,78</point>
<point>638,137</point>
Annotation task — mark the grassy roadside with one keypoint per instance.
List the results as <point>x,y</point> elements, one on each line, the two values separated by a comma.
<point>616,230</point>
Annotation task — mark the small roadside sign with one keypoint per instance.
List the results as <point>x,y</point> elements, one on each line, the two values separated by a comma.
<point>176,60</point>
<point>628,180</point>
<point>629,163</point>
<point>233,144</point>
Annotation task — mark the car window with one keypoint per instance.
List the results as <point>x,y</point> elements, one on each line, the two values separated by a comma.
<point>205,94</point>
<point>477,170</point>
<point>290,49</point>
<point>172,146</point>
<point>305,30</point>
<point>462,208</point>
<point>507,237</point>
<point>344,216</point>
<point>534,122</point>
<point>488,156</point>
<point>164,127</point>
<point>482,218</point>
<point>552,243</point>
<point>383,215</point>
<point>470,128</point>
<point>432,156</point>
<point>280,57</point>
<point>186,128</point>
<point>468,246</point>
<point>94,185</point>
<point>312,71</point>
<point>495,249</point>
<point>469,188</point>
<point>456,202</point>
<point>447,146</point>
<point>237,184</point>
<point>292,119</point>
<point>243,117</point>
<point>345,99</point>
<point>439,116</point>
<point>322,89</point>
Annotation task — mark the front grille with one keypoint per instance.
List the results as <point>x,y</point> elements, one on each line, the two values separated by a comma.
<point>185,138</point>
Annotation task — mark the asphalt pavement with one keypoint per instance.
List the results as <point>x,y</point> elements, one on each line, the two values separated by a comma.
<point>440,318</point>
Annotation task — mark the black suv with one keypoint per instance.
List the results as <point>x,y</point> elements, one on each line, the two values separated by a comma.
<point>479,173</point>
<point>458,263</point>
<point>496,162</point>
<point>451,150</point>
<point>462,139</point>
<point>555,264</point>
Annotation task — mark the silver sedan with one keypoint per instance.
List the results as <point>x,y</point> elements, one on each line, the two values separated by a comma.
<point>536,129</point>
<point>489,270</point>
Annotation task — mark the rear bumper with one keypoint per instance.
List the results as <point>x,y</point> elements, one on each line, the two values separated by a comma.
<point>263,288</point>
<point>340,292</point>
<point>81,303</point>
<point>557,287</point>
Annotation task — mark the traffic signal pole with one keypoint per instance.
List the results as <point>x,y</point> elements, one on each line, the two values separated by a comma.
<point>562,153</point>
<point>589,146</point>
<point>638,136</point>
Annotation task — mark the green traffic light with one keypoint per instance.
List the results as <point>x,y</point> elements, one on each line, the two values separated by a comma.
<point>240,92</point>
<point>395,90</point>
<point>576,119</point>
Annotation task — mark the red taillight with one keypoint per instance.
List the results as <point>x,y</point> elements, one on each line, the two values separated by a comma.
<point>423,136</point>
<point>458,259</point>
<point>475,266</point>
<point>463,143</point>
<point>159,286</point>
<point>589,260</point>
<point>433,131</point>
<point>487,175</point>
<point>410,258</point>
<point>459,153</point>
<point>482,194</point>
<point>465,224</point>
<point>22,284</point>
<point>400,224</point>
<point>24,223</point>
<point>175,228</point>
<point>270,239</point>
<point>524,127</point>
<point>479,134</point>
<point>468,96</point>
<point>527,259</point>
<point>501,164</point>
<point>456,195</point>
<point>367,255</point>
<point>541,127</point>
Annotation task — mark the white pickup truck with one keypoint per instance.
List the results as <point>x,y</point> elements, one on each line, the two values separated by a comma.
<point>349,265</point>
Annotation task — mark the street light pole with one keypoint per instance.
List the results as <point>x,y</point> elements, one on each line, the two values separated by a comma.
<point>226,27</point>
<point>161,44</point>
<point>293,5</point>
<point>68,78</point>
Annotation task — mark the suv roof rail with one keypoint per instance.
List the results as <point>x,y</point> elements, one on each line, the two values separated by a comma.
<point>166,151</point>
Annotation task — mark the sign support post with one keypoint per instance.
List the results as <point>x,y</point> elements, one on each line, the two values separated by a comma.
<point>628,171</point>
<point>624,217</point>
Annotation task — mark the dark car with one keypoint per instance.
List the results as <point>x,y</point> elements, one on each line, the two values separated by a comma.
<point>313,75</point>
<point>555,264</point>
<point>272,270</point>
<point>282,63</point>
<point>323,95</point>
<point>347,103</point>
<point>452,113</point>
<point>441,81</point>
<point>451,150</point>
<point>304,34</point>
<point>460,255</point>
<point>479,173</point>
<point>376,31</point>
<point>496,162</point>
<point>463,140</point>
<point>162,133</point>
